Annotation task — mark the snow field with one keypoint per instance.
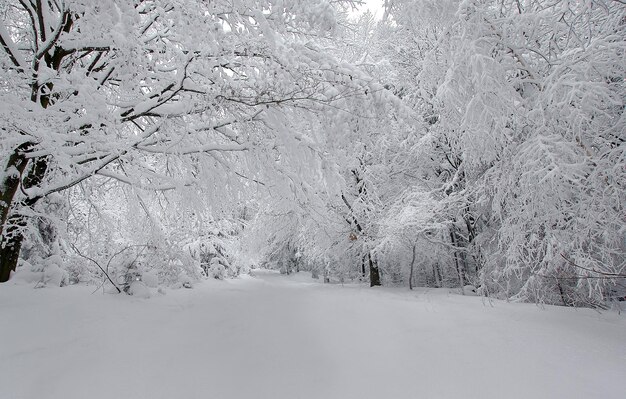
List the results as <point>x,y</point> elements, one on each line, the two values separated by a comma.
<point>275,337</point>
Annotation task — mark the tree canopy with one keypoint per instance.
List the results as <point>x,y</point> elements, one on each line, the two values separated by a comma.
<point>473,144</point>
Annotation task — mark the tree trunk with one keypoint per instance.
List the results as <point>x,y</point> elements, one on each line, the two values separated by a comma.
<point>470,223</point>
<point>363,267</point>
<point>11,241</point>
<point>412,267</point>
<point>437,275</point>
<point>10,238</point>
<point>11,228</point>
<point>458,262</point>
<point>374,272</point>
<point>12,171</point>
<point>10,252</point>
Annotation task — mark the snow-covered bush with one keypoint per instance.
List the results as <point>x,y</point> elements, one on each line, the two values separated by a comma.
<point>217,270</point>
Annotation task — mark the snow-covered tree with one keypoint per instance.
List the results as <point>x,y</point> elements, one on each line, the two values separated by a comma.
<point>156,94</point>
<point>523,104</point>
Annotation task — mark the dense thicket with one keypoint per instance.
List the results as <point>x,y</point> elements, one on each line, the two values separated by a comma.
<point>196,96</point>
<point>504,165</point>
<point>475,144</point>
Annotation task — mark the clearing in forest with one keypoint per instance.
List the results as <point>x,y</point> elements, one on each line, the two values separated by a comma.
<point>273,337</point>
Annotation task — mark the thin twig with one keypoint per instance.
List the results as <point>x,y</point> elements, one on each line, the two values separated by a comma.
<point>97,264</point>
<point>607,275</point>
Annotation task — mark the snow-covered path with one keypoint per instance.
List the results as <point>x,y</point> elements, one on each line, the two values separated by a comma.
<point>274,337</point>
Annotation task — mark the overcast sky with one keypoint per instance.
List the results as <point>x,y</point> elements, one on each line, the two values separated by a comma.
<point>375,6</point>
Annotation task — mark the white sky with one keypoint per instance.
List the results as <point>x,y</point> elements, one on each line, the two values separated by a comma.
<point>375,6</point>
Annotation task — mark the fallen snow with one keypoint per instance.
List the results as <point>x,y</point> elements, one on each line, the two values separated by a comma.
<point>273,337</point>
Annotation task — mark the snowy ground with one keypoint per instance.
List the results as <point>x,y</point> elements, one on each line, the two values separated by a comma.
<point>274,337</point>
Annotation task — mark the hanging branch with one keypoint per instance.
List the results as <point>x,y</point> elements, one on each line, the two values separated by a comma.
<point>604,274</point>
<point>97,264</point>
<point>143,246</point>
<point>572,277</point>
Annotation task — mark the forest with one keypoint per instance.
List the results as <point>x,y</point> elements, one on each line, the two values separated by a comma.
<point>472,144</point>
<point>311,199</point>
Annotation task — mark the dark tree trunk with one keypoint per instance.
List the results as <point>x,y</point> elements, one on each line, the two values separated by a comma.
<point>363,274</point>
<point>458,261</point>
<point>412,268</point>
<point>12,225</point>
<point>470,223</point>
<point>374,272</point>
<point>10,237</point>
<point>11,228</point>
<point>13,170</point>
<point>437,275</point>
<point>10,253</point>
